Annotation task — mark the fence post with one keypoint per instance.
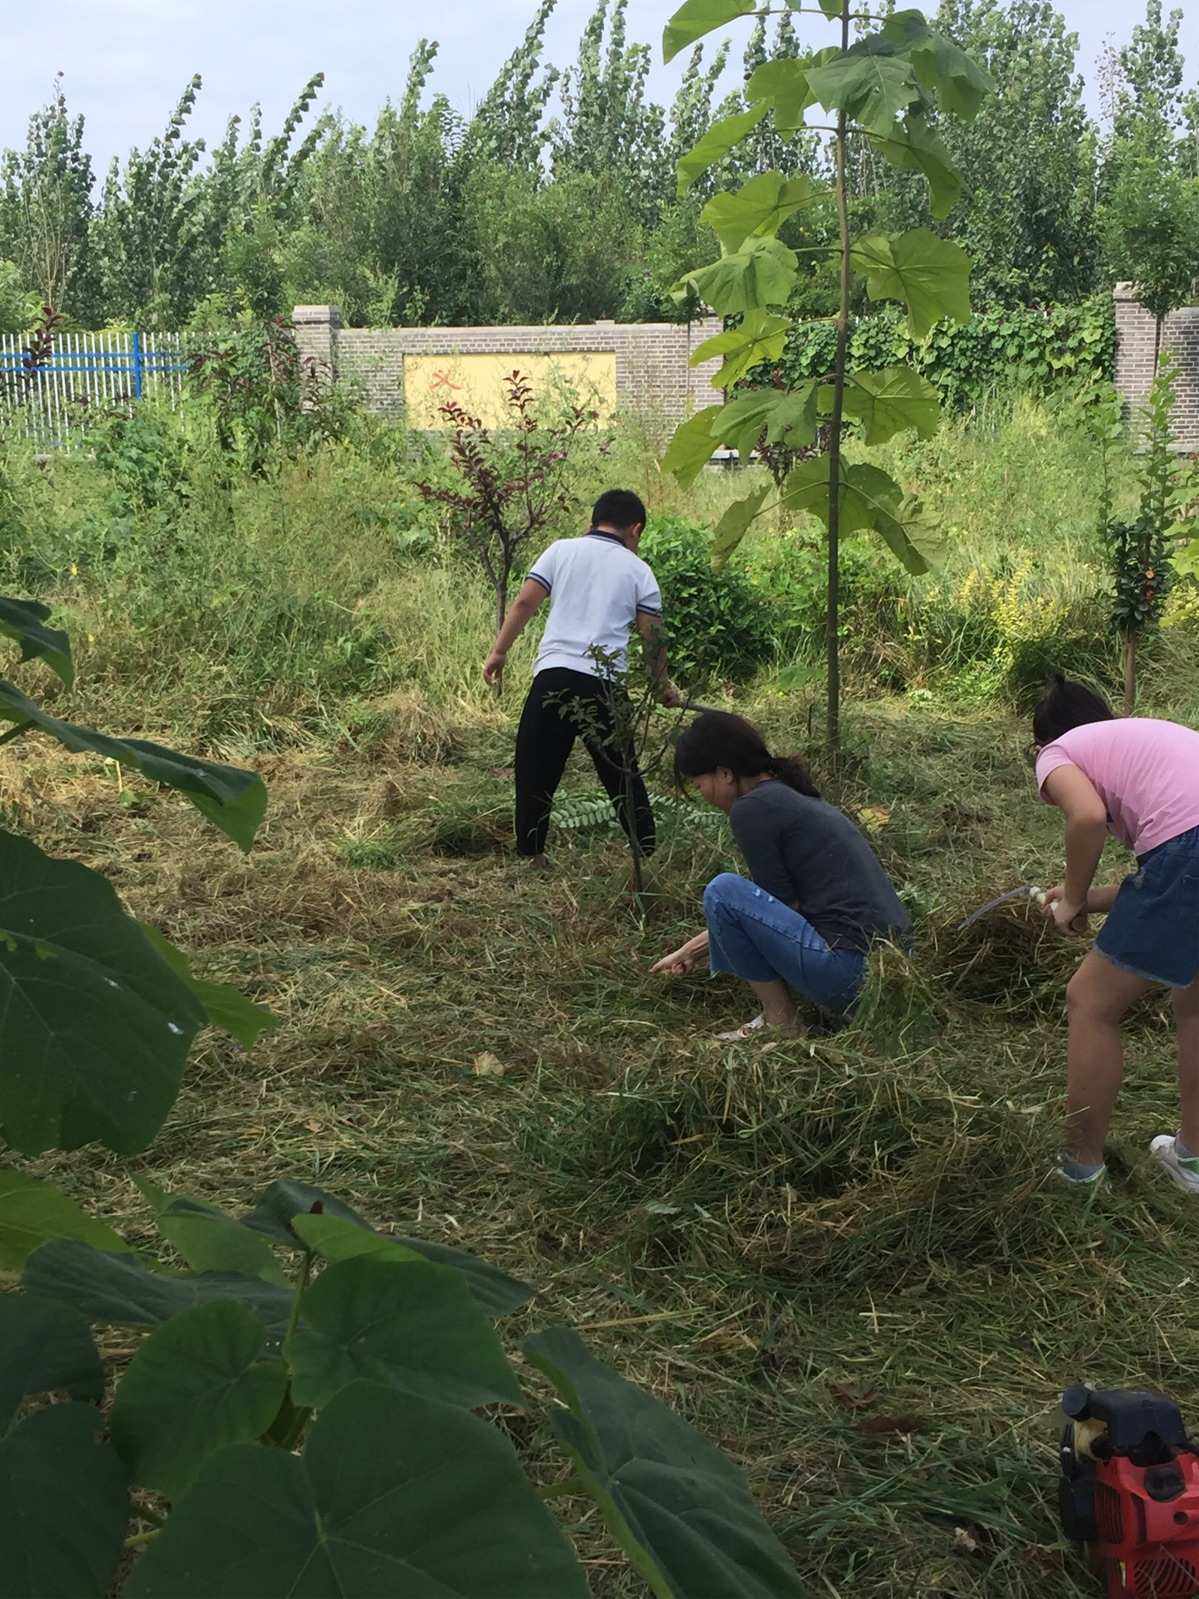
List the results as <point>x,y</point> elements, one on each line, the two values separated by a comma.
<point>138,366</point>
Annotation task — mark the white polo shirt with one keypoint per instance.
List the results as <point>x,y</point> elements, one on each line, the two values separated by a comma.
<point>596,587</point>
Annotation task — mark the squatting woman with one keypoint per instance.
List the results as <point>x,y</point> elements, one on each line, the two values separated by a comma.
<point>801,924</point>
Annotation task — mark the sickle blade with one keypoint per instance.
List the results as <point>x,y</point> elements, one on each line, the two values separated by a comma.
<point>1025,891</point>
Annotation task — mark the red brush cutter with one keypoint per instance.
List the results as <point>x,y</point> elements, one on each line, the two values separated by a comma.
<point>1130,1490</point>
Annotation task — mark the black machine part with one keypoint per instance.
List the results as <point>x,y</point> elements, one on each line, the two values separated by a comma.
<point>1076,1493</point>
<point>1147,1427</point>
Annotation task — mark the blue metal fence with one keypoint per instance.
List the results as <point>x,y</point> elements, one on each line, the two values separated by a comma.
<point>52,400</point>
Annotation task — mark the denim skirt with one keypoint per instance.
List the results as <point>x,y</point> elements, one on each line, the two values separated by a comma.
<point>1153,928</point>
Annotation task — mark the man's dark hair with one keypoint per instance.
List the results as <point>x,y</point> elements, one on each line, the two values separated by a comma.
<point>1067,705</point>
<point>619,508</point>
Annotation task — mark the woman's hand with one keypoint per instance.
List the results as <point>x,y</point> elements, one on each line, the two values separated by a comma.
<point>678,963</point>
<point>1066,916</point>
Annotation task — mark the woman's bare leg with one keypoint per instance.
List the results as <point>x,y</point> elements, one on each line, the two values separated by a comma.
<point>1097,999</point>
<point>777,1005</point>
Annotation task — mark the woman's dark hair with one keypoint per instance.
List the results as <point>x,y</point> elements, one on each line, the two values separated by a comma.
<point>718,738</point>
<point>1067,705</point>
<point>620,508</point>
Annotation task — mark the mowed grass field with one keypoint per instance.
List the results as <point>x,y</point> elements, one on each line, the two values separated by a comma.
<point>843,1259</point>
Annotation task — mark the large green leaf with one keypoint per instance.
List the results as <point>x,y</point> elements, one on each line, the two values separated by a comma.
<point>286,1199</point>
<point>761,273</point>
<point>916,146</point>
<point>209,1240</point>
<point>63,1507</point>
<point>692,446</point>
<point>32,1211</point>
<point>717,142</point>
<point>759,337</point>
<point>931,276</point>
<point>679,1509</point>
<point>699,17</point>
<point>337,1232</point>
<point>94,1025</point>
<point>232,799</point>
<point>225,1006</point>
<point>735,524</point>
<point>760,207</point>
<point>25,621</point>
<point>893,400</point>
<point>873,90</point>
<point>784,86</point>
<point>393,1496</point>
<point>785,416</point>
<point>123,1290</point>
<point>942,67</point>
<point>44,1346</point>
<point>407,1324</point>
<point>198,1383</point>
<point>868,498</point>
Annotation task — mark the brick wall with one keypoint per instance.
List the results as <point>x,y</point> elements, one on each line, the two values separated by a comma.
<point>1135,331</point>
<point>653,373</point>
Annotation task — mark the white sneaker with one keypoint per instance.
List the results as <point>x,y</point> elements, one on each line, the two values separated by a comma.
<point>1183,1172</point>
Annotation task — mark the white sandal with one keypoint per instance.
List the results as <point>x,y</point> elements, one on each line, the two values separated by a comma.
<point>741,1034</point>
<point>759,1027</point>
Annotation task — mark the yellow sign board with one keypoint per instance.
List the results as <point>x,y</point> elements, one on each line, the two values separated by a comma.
<point>476,383</point>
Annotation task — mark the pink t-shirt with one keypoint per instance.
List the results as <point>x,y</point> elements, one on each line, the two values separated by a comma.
<point>1145,771</point>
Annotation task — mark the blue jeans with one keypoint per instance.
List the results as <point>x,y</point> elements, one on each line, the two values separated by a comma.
<point>758,938</point>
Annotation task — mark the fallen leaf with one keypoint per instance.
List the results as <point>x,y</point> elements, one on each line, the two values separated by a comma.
<point>877,1426</point>
<point>851,1399</point>
<point>488,1065</point>
<point>874,817</point>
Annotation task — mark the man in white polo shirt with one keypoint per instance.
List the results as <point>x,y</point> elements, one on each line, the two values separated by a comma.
<point>598,587</point>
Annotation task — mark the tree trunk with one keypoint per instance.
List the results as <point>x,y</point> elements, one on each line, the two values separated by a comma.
<point>1130,673</point>
<point>833,615</point>
<point>501,611</point>
<point>1158,325</point>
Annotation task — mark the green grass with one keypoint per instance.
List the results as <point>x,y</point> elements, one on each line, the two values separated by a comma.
<point>842,1259</point>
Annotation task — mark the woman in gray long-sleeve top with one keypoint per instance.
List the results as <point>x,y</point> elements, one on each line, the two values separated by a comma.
<point>818,896</point>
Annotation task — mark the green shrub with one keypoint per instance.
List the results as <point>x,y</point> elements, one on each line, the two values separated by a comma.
<point>717,625</point>
<point>790,570</point>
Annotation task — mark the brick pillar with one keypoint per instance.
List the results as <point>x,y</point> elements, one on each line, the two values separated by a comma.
<point>316,328</point>
<point>1135,335</point>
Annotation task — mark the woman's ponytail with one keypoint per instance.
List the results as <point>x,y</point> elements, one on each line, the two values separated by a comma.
<point>791,770</point>
<point>718,738</point>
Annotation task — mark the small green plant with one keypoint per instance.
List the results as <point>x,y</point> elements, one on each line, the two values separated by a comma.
<point>263,395</point>
<point>884,93</point>
<point>513,481</point>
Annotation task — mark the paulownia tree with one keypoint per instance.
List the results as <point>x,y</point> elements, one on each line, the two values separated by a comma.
<point>885,87</point>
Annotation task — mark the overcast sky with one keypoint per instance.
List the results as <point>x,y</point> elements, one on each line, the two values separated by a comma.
<point>126,61</point>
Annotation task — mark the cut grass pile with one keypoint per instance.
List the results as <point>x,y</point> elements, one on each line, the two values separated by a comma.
<point>841,1258</point>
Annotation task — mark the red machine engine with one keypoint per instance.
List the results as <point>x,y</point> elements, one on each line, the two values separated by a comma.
<point>1130,1490</point>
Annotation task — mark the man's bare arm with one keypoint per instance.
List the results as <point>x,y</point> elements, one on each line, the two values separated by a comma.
<point>520,614</point>
<point>650,628</point>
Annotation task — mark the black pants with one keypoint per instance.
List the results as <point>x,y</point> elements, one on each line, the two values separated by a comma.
<point>562,706</point>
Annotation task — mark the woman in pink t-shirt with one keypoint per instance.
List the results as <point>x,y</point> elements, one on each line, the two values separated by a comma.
<point>1137,778</point>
